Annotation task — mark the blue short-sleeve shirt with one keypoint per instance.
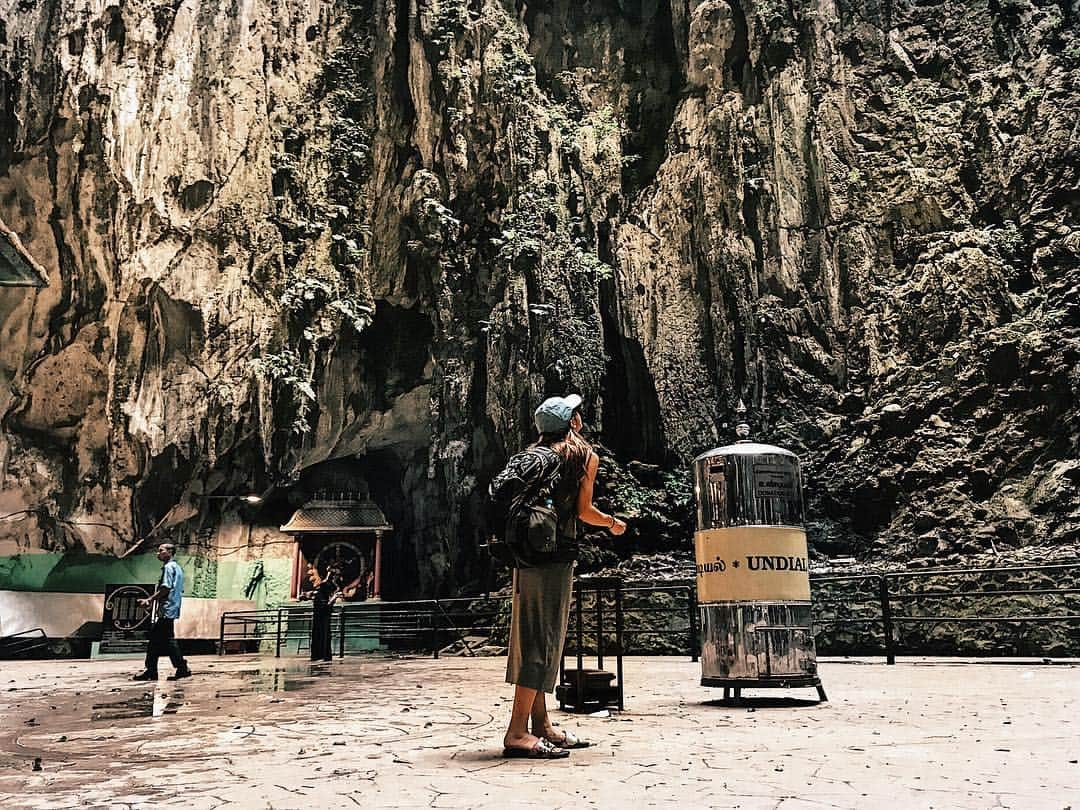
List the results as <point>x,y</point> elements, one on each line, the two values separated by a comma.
<point>172,577</point>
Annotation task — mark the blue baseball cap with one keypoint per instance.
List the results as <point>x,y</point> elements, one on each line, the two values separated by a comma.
<point>554,413</point>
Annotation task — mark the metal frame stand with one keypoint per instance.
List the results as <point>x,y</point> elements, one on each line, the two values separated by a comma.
<point>585,690</point>
<point>737,686</point>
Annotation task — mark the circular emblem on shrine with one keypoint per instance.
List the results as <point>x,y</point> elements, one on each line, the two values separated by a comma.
<point>344,559</point>
<point>124,608</point>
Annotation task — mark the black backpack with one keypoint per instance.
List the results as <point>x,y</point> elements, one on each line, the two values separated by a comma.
<point>521,512</point>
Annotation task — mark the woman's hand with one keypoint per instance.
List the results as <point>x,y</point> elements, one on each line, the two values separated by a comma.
<point>617,526</point>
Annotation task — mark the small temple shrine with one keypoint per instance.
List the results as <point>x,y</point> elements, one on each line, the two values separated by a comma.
<point>341,536</point>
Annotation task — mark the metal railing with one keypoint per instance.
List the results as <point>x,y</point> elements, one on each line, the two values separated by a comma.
<point>663,620</point>
<point>921,612</point>
<point>22,643</point>
<point>933,611</point>
<point>665,617</point>
<point>428,624</point>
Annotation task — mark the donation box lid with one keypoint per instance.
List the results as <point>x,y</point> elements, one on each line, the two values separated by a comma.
<point>748,484</point>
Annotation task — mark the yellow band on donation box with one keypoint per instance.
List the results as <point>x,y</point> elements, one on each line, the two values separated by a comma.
<point>752,563</point>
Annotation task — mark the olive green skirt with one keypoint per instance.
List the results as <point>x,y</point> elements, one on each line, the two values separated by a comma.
<point>541,608</point>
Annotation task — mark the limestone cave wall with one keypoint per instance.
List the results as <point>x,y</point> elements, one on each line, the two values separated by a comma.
<point>280,233</point>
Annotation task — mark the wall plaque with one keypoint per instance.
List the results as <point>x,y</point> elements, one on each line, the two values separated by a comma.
<point>125,624</point>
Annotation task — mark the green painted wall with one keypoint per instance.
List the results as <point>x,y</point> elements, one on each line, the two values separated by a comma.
<point>265,581</point>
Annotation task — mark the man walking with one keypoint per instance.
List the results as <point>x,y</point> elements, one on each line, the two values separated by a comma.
<point>165,603</point>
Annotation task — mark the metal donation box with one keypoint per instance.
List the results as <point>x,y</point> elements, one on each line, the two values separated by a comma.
<point>753,585</point>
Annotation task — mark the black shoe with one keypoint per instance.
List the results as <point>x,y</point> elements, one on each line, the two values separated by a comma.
<point>145,676</point>
<point>180,673</point>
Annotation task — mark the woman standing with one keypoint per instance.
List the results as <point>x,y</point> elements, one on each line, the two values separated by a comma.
<point>541,604</point>
<point>323,595</point>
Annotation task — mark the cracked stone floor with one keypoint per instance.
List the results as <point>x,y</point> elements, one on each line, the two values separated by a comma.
<point>260,732</point>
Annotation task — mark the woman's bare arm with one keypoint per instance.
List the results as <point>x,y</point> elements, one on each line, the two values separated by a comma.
<point>587,512</point>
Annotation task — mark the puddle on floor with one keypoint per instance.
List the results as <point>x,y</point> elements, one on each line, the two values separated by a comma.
<point>265,683</point>
<point>148,704</point>
<point>240,683</point>
<point>298,668</point>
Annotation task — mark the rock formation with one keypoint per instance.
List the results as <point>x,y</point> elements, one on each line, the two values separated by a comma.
<point>280,234</point>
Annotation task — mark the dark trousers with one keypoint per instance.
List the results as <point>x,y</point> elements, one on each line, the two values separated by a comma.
<point>320,635</point>
<point>163,642</point>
